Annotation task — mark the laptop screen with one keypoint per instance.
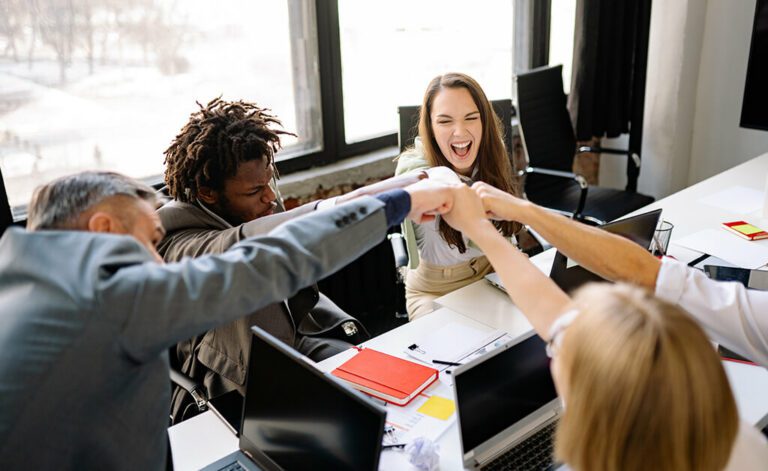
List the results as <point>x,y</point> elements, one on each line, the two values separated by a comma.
<point>502,390</point>
<point>302,419</point>
<point>639,229</point>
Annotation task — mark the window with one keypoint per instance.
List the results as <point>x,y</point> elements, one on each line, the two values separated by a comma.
<point>105,84</point>
<point>391,50</point>
<point>563,21</point>
<point>108,84</point>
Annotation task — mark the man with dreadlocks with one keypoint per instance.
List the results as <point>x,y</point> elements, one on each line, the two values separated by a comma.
<point>219,172</point>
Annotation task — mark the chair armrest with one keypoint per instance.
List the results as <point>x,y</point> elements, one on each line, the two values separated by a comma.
<point>398,249</point>
<point>605,150</point>
<point>196,391</point>
<point>569,175</point>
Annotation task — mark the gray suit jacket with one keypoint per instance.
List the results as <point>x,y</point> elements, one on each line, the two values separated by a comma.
<point>86,320</point>
<point>219,358</point>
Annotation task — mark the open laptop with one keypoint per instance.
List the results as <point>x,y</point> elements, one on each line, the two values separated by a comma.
<point>296,417</point>
<point>568,275</point>
<point>507,407</point>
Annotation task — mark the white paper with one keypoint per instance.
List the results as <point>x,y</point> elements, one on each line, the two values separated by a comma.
<point>408,423</point>
<point>187,441</point>
<point>731,248</point>
<point>451,342</point>
<point>736,199</point>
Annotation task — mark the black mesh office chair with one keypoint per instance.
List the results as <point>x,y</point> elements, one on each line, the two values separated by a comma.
<point>550,144</point>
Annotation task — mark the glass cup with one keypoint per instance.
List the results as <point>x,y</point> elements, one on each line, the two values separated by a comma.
<point>661,237</point>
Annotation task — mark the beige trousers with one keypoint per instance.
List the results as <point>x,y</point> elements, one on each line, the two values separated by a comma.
<point>428,282</point>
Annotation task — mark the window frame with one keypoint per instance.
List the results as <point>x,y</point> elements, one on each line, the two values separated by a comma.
<point>534,19</point>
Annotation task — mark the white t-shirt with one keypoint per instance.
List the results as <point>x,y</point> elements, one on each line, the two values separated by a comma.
<point>730,313</point>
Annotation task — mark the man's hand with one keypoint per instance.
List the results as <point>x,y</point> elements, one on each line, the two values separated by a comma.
<point>467,214</point>
<point>430,197</point>
<point>500,205</point>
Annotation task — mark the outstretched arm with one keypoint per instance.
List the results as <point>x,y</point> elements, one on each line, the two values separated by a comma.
<point>537,296</point>
<point>611,256</point>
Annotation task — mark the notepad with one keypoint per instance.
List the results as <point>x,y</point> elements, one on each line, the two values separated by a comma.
<point>385,376</point>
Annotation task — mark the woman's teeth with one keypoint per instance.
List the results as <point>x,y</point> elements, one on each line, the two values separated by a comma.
<point>461,149</point>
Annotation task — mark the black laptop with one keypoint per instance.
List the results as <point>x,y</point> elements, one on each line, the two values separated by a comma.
<point>639,229</point>
<point>296,417</point>
<point>569,276</point>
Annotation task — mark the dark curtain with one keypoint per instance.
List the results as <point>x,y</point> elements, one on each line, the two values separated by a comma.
<point>610,48</point>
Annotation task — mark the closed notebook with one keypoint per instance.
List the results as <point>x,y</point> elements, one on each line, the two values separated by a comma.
<point>384,376</point>
<point>745,230</point>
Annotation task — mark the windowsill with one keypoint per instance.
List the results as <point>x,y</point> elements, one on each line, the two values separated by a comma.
<point>354,170</point>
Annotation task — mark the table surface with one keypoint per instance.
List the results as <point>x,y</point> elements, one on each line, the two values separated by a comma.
<point>483,303</point>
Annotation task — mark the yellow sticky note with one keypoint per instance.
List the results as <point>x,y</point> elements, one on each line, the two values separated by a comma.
<point>438,407</point>
<point>747,229</point>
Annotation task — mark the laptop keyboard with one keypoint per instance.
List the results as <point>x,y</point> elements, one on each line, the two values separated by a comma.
<point>236,466</point>
<point>535,453</point>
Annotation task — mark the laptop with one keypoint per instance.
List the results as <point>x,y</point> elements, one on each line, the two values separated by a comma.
<point>507,407</point>
<point>296,417</point>
<point>569,276</point>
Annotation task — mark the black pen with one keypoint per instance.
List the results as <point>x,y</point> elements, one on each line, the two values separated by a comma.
<point>448,363</point>
<point>396,445</point>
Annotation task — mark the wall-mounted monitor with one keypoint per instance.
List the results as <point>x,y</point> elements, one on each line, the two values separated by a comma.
<point>754,109</point>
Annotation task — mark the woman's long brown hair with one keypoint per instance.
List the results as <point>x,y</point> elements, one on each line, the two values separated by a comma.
<point>493,164</point>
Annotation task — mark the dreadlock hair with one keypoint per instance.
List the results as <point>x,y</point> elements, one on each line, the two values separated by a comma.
<point>492,163</point>
<point>216,140</point>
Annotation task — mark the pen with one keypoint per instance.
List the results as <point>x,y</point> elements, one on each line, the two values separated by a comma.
<point>448,363</point>
<point>396,445</point>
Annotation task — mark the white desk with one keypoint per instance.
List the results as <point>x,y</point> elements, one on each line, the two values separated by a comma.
<point>486,304</point>
<point>684,209</point>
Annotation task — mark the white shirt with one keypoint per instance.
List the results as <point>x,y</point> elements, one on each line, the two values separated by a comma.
<point>730,313</point>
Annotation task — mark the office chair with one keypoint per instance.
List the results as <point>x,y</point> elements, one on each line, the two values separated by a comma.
<point>550,144</point>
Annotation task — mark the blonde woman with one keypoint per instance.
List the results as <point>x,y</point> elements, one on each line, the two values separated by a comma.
<point>641,384</point>
<point>458,129</point>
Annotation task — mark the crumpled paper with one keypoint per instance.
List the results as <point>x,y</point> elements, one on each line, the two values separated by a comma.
<point>424,454</point>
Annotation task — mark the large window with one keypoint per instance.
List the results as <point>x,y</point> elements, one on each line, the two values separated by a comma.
<point>390,50</point>
<point>563,17</point>
<point>107,84</point>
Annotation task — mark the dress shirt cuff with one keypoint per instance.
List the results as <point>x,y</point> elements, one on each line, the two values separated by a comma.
<point>397,205</point>
<point>326,203</point>
<point>670,283</point>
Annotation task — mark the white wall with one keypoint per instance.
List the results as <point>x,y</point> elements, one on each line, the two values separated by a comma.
<point>718,141</point>
<point>697,63</point>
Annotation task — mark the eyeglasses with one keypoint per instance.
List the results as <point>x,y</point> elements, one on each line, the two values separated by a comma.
<point>557,330</point>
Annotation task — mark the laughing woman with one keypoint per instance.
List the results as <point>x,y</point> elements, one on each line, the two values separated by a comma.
<point>458,129</point>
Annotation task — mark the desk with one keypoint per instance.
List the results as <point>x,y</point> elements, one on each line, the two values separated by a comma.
<point>684,209</point>
<point>486,304</point>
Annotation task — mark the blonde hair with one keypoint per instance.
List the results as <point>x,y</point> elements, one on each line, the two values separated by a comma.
<point>644,387</point>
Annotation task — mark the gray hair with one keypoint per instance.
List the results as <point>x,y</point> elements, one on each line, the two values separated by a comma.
<point>58,204</point>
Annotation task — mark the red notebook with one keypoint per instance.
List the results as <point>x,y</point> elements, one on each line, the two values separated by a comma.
<point>384,376</point>
<point>745,230</point>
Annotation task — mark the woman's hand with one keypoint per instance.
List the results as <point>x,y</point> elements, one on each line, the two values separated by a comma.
<point>500,205</point>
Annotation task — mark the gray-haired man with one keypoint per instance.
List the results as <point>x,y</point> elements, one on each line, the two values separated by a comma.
<point>86,315</point>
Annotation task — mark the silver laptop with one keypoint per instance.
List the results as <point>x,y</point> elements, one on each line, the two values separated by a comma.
<point>296,417</point>
<point>507,407</point>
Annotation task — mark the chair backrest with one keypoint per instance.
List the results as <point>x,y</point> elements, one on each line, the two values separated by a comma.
<point>545,125</point>
<point>409,123</point>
